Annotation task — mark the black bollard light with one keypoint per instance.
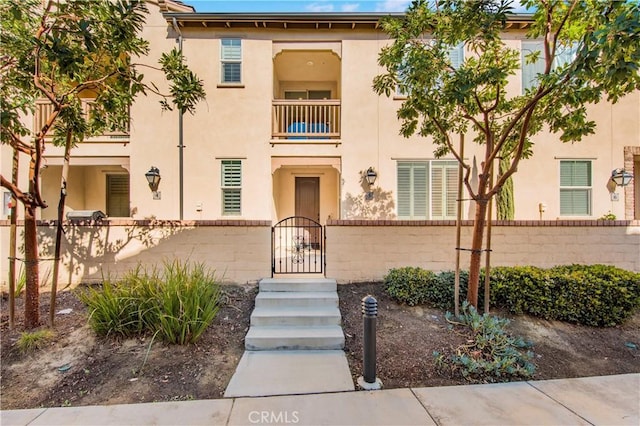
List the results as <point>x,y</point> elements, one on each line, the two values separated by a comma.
<point>369,314</point>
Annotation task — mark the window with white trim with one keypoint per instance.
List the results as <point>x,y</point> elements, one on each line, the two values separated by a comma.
<point>231,187</point>
<point>231,60</point>
<point>427,189</point>
<point>575,187</point>
<point>530,70</point>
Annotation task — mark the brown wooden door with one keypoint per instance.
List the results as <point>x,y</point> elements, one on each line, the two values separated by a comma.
<point>308,203</point>
<point>308,197</point>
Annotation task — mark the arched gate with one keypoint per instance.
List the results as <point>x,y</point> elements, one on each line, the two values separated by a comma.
<point>298,247</point>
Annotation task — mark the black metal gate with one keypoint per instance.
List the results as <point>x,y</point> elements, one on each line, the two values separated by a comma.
<point>297,247</point>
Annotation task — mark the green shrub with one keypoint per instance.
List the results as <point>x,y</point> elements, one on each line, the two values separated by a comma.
<point>415,286</point>
<point>490,353</point>
<point>188,302</point>
<point>409,284</point>
<point>178,302</point>
<point>595,295</point>
<point>523,289</point>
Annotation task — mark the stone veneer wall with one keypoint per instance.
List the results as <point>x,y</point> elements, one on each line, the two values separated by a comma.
<point>357,250</point>
<point>366,250</point>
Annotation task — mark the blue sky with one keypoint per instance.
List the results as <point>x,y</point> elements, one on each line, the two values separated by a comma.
<point>299,6</point>
<point>319,6</point>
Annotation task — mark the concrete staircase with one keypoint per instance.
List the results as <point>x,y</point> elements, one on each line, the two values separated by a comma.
<point>296,314</point>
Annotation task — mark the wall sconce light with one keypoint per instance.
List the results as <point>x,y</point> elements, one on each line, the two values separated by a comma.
<point>370,177</point>
<point>153,177</point>
<point>621,177</point>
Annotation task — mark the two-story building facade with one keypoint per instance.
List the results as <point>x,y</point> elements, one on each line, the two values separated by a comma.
<point>291,125</point>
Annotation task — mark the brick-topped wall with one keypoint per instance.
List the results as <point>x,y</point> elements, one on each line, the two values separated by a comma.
<point>366,250</point>
<point>356,250</point>
<point>238,250</point>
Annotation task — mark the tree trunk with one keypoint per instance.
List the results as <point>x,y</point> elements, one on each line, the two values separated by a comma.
<point>476,250</point>
<point>12,242</point>
<point>31,304</point>
<point>59,229</point>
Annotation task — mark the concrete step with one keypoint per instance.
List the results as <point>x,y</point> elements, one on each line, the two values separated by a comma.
<point>294,338</point>
<point>273,299</point>
<point>295,316</point>
<point>298,284</point>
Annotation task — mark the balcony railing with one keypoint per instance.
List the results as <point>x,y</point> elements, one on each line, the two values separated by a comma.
<point>306,119</point>
<point>44,108</point>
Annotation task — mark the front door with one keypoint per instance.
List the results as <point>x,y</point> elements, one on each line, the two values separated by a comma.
<point>308,203</point>
<point>308,197</point>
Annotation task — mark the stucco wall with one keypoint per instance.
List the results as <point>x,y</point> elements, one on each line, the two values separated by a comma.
<point>239,251</point>
<point>366,250</point>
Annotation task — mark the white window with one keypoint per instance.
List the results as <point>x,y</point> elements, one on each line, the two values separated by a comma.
<point>444,189</point>
<point>231,60</point>
<point>530,70</point>
<point>575,188</point>
<point>231,187</point>
<point>427,189</point>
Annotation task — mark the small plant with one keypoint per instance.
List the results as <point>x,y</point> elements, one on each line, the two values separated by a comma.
<point>490,354</point>
<point>607,216</point>
<point>30,341</point>
<point>21,282</point>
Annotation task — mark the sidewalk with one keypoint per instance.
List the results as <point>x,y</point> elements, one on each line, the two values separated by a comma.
<point>604,400</point>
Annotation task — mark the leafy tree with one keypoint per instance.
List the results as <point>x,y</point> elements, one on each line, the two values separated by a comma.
<point>63,52</point>
<point>443,100</point>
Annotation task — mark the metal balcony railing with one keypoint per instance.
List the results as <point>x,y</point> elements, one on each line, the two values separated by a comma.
<point>306,119</point>
<point>44,108</point>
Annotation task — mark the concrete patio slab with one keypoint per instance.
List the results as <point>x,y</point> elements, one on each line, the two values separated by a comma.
<point>265,373</point>
<point>19,417</point>
<point>203,412</point>
<point>390,407</point>
<point>604,400</point>
<point>494,404</point>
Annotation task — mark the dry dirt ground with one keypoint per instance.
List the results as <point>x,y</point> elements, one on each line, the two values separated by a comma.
<point>78,368</point>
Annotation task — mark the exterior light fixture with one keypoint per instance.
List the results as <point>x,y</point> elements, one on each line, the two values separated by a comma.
<point>371,176</point>
<point>153,177</point>
<point>621,177</point>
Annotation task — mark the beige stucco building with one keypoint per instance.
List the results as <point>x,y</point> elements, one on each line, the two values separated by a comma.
<point>291,124</point>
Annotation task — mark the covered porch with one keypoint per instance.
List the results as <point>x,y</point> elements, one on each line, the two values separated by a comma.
<point>92,184</point>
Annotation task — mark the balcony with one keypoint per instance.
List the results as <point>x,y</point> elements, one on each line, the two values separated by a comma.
<point>44,108</point>
<point>306,119</point>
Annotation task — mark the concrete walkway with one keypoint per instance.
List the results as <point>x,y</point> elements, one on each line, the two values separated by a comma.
<point>267,373</point>
<point>604,400</point>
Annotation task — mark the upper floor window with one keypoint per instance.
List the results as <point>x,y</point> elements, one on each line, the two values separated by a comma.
<point>427,189</point>
<point>575,188</point>
<point>531,70</point>
<point>231,60</point>
<point>231,187</point>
